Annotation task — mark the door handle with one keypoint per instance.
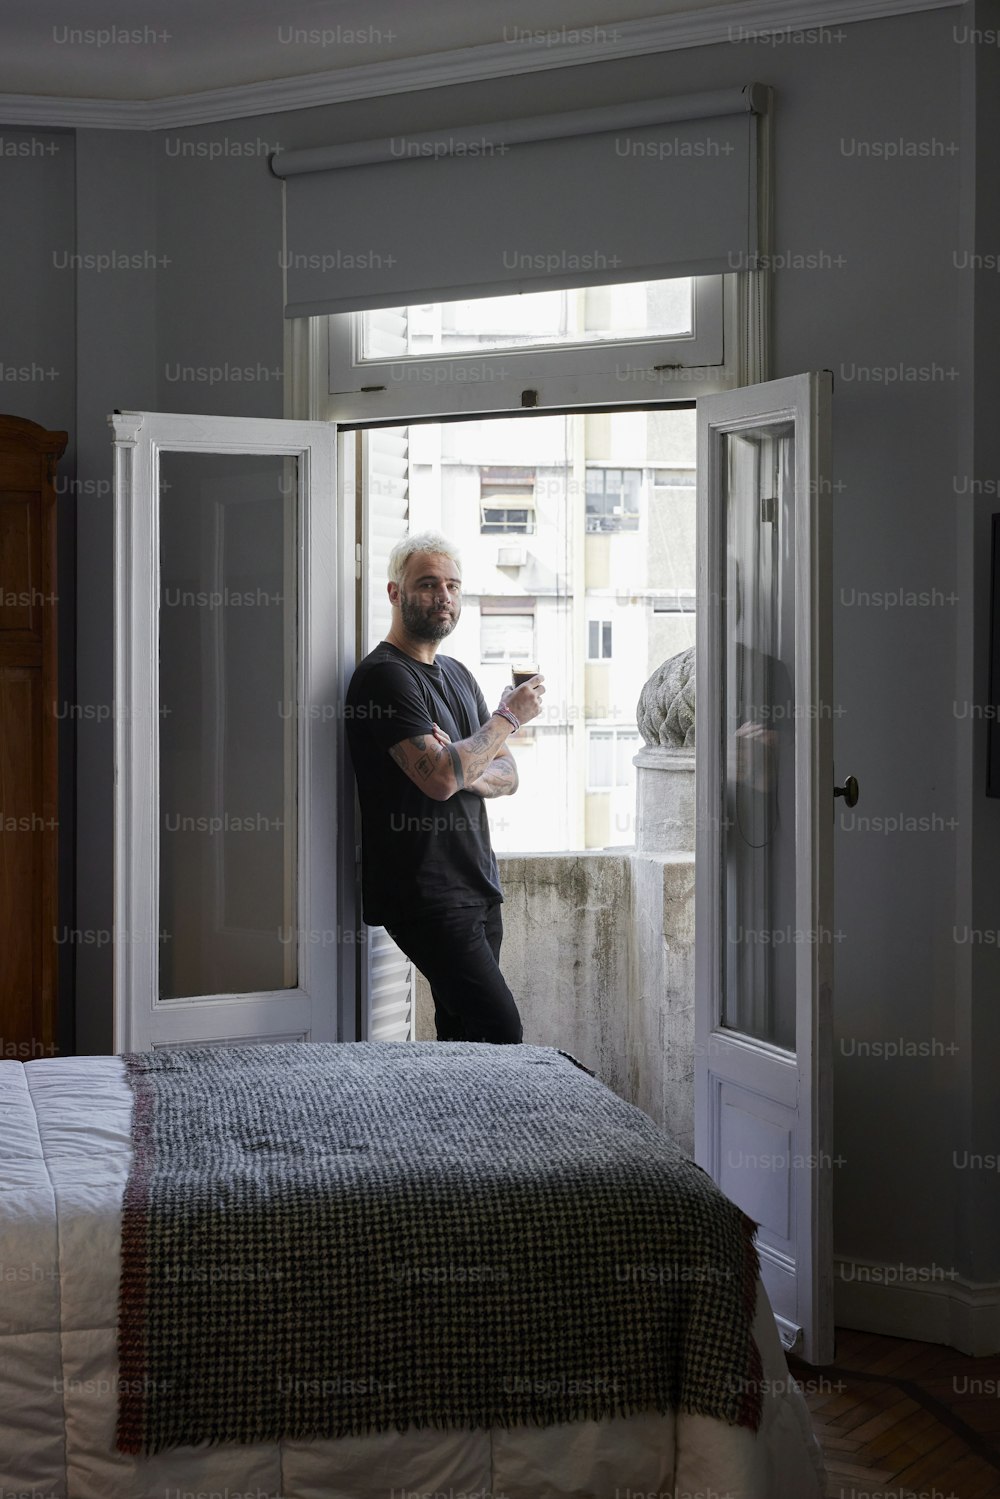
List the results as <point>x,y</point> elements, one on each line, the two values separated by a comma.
<point>849,791</point>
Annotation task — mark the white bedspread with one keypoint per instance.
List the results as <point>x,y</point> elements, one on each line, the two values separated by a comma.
<point>64,1159</point>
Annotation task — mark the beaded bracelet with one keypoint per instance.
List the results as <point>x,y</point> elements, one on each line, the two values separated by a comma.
<point>509,716</point>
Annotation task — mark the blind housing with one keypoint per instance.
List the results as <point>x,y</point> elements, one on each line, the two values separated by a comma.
<point>638,192</point>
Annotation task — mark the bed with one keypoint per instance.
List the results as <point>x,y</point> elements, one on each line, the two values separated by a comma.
<point>66,1152</point>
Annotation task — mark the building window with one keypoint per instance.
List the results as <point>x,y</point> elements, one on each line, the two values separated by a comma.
<point>497,520</point>
<point>506,637</point>
<point>599,640</point>
<point>507,501</point>
<point>613,499</point>
<point>609,757</point>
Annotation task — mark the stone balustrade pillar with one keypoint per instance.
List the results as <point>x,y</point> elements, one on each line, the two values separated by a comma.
<point>664,789</point>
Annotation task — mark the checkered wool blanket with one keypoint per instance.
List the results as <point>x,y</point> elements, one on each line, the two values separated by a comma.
<point>341,1238</point>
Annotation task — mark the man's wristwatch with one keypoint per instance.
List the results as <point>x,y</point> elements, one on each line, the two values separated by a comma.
<point>502,712</point>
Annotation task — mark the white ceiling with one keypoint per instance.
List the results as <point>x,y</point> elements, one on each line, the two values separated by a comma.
<point>147,64</point>
<point>190,46</point>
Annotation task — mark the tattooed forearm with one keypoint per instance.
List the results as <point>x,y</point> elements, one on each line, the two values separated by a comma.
<point>498,779</point>
<point>439,770</point>
<point>484,738</point>
<point>505,772</point>
<point>423,766</point>
<point>478,750</point>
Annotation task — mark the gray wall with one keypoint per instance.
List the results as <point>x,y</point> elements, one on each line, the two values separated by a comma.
<point>979,972</point>
<point>895,299</point>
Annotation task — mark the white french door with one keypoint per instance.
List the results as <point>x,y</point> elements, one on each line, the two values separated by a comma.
<point>764,834</point>
<point>230,643</point>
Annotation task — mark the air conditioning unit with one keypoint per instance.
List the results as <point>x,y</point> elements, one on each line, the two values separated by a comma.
<point>512,556</point>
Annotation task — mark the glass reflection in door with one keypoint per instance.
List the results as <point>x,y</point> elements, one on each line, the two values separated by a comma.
<point>228,730</point>
<point>759,736</point>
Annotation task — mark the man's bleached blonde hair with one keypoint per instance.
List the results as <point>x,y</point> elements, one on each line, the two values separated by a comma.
<point>420,541</point>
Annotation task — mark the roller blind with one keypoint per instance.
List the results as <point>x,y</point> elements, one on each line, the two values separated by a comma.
<point>632,192</point>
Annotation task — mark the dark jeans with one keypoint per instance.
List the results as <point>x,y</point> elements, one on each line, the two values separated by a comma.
<point>458,952</point>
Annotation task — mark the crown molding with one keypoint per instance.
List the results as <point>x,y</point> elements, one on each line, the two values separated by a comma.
<point>667,33</point>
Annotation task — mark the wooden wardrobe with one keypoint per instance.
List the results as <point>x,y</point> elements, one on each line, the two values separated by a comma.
<point>29,803</point>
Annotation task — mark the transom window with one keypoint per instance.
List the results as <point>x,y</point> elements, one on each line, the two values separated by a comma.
<point>584,344</point>
<point>541,319</point>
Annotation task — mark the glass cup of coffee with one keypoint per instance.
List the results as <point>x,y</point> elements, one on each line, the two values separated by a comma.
<point>521,674</point>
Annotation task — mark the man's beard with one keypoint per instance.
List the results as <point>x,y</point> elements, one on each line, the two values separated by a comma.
<point>421,624</point>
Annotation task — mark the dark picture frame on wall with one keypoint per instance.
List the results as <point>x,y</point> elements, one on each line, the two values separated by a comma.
<point>993,700</point>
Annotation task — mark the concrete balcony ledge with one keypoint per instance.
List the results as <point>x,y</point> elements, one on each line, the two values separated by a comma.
<point>599,953</point>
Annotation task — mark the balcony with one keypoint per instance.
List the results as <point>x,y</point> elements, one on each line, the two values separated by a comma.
<point>599,947</point>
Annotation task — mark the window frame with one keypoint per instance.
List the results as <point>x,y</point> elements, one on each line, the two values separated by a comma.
<point>601,623</point>
<point>506,527</point>
<point>516,613</point>
<point>606,468</point>
<point>439,385</point>
<point>509,499</point>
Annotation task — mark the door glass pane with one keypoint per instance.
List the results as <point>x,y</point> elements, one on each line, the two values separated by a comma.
<point>228,727</point>
<point>759,736</point>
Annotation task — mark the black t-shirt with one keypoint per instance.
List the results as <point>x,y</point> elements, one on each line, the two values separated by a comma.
<point>418,855</point>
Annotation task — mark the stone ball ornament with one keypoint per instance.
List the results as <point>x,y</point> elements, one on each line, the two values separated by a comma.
<point>665,711</point>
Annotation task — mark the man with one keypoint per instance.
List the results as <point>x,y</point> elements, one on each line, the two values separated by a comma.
<point>427,752</point>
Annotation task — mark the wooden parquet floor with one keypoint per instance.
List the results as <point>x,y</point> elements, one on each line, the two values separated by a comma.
<point>904,1420</point>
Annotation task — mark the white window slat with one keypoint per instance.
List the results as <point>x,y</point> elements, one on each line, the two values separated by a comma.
<point>388,972</point>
